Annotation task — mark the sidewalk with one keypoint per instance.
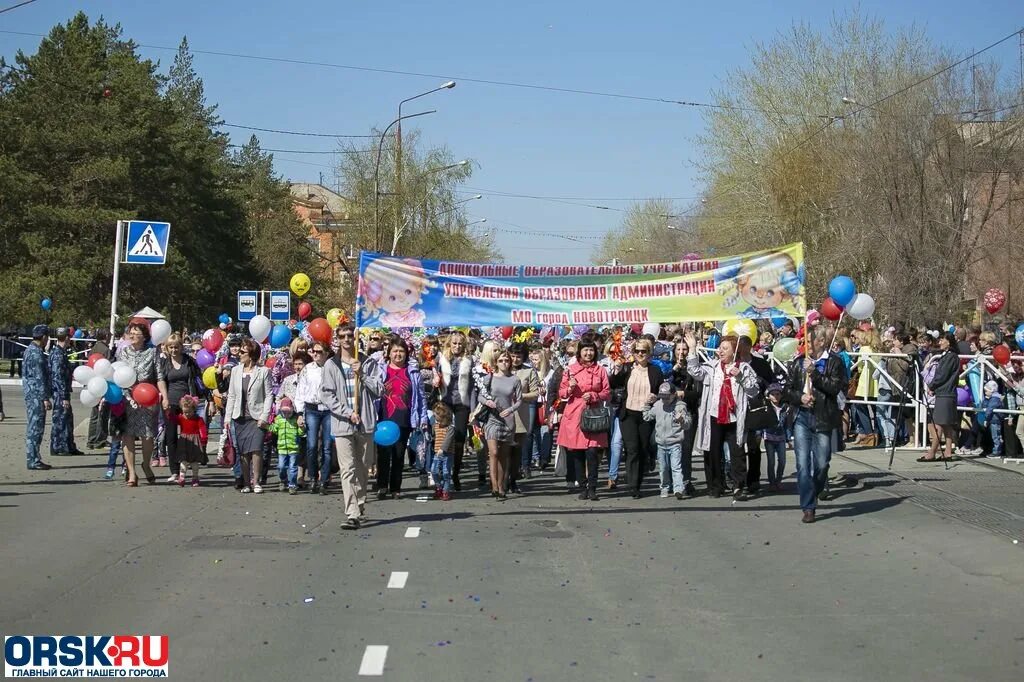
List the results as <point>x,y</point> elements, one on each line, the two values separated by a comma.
<point>986,493</point>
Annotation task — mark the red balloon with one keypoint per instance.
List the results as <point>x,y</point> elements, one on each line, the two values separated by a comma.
<point>830,310</point>
<point>994,300</point>
<point>320,330</point>
<point>93,358</point>
<point>1001,354</point>
<point>145,394</point>
<point>305,310</point>
<point>506,332</point>
<point>271,361</point>
<point>213,339</point>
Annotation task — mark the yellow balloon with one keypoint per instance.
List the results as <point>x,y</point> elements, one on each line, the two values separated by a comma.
<point>300,283</point>
<point>745,328</point>
<point>210,377</point>
<point>334,316</point>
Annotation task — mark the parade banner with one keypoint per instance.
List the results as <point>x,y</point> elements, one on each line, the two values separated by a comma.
<point>409,292</point>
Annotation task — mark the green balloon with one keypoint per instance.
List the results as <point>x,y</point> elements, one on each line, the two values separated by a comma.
<point>785,349</point>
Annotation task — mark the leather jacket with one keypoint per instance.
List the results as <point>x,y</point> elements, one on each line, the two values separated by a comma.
<point>825,388</point>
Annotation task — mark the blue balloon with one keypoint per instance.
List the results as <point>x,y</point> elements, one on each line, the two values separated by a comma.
<point>46,304</point>
<point>78,334</point>
<point>779,321</point>
<point>386,434</point>
<point>712,341</point>
<point>300,325</point>
<point>842,290</point>
<point>114,394</point>
<point>224,318</point>
<point>280,335</point>
<point>1018,335</point>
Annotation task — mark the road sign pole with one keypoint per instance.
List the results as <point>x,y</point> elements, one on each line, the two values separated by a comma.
<point>117,275</point>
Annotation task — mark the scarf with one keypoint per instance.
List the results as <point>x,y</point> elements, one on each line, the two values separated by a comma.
<point>726,400</point>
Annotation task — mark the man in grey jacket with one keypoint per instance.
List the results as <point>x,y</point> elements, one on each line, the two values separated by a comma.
<point>350,389</point>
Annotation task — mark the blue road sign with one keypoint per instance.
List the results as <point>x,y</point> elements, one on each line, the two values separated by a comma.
<point>280,306</point>
<point>146,243</point>
<point>247,302</point>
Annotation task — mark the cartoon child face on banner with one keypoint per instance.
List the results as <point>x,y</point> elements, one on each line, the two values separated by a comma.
<point>764,284</point>
<point>392,290</point>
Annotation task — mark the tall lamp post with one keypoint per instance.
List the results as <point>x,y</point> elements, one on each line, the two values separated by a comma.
<point>398,150</point>
<point>376,177</point>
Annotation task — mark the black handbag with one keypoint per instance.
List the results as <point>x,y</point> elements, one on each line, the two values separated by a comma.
<point>760,415</point>
<point>596,419</point>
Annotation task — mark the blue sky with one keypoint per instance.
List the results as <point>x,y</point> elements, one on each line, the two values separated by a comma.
<point>522,141</point>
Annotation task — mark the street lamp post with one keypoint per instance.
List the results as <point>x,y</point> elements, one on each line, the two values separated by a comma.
<point>430,171</point>
<point>398,149</point>
<point>376,177</point>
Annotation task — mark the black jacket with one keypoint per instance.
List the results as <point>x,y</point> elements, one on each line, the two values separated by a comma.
<point>690,387</point>
<point>825,388</point>
<point>621,380</point>
<point>947,374</point>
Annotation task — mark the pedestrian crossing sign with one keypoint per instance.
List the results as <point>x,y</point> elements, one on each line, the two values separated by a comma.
<point>146,242</point>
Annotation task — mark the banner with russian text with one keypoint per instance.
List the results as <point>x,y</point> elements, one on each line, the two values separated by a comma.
<point>410,292</point>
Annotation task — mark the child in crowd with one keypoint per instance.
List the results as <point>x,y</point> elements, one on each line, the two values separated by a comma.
<point>289,434</point>
<point>444,438</point>
<point>994,420</point>
<point>775,440</point>
<point>192,436</point>
<point>671,419</point>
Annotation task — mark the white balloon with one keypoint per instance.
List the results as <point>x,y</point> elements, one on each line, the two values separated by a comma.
<point>125,377</point>
<point>259,328</point>
<point>97,386</point>
<point>652,328</point>
<point>103,368</point>
<point>88,399</point>
<point>159,331</point>
<point>861,307</point>
<point>83,373</point>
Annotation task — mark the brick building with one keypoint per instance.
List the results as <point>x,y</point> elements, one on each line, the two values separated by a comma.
<point>326,215</point>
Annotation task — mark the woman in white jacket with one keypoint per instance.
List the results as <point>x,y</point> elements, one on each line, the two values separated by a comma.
<point>458,390</point>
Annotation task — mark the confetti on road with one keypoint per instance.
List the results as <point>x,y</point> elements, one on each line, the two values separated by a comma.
<point>308,599</point>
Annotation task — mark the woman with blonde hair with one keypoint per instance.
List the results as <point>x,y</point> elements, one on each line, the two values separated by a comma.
<point>867,388</point>
<point>640,378</point>
<point>457,389</point>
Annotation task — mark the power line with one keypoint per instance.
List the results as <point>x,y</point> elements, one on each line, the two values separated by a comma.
<point>481,81</point>
<point>559,198</point>
<point>307,151</point>
<point>13,7</point>
<point>292,132</point>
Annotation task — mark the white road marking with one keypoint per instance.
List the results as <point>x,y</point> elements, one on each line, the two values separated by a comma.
<point>397,579</point>
<point>412,532</point>
<point>373,660</point>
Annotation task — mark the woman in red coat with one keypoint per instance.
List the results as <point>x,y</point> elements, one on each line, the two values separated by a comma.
<point>583,384</point>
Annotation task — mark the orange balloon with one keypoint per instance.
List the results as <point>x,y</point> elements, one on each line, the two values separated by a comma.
<point>320,330</point>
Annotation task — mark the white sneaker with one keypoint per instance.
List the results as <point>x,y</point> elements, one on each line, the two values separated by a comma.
<point>257,489</point>
<point>977,451</point>
<point>430,480</point>
<point>173,478</point>
<point>664,492</point>
<point>246,489</point>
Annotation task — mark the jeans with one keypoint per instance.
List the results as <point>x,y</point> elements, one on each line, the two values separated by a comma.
<point>776,452</point>
<point>886,414</point>
<point>813,453</point>
<point>670,465</point>
<point>288,468</point>
<point>441,470</point>
<point>861,418</point>
<point>995,429</point>
<point>318,423</point>
<point>526,441</point>
<point>614,449</point>
<point>542,444</point>
<point>115,452</point>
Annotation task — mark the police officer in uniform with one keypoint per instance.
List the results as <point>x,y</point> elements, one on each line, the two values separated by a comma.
<point>62,431</point>
<point>35,382</point>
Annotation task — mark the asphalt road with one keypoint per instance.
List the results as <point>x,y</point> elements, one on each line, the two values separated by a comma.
<point>540,587</point>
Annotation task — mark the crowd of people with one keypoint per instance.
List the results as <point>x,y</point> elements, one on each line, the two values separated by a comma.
<point>361,409</point>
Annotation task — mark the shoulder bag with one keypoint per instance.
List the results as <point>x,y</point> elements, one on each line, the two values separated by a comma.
<point>595,418</point>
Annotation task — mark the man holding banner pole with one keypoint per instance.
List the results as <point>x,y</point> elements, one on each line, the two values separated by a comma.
<point>350,389</point>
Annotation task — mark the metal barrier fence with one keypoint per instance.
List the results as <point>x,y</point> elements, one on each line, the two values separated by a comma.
<point>983,365</point>
<point>12,348</point>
